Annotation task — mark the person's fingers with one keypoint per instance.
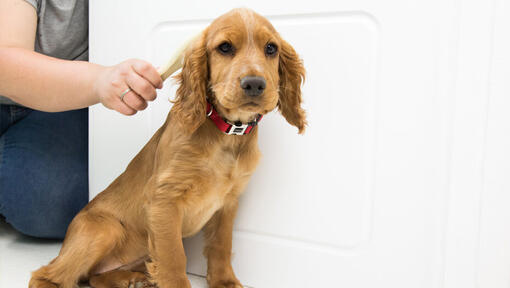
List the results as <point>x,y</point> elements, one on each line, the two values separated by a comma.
<point>141,86</point>
<point>147,71</point>
<point>140,76</point>
<point>114,101</point>
<point>134,101</point>
<point>123,108</point>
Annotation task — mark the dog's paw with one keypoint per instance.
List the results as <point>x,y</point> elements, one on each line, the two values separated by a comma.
<point>143,284</point>
<point>37,283</point>
<point>226,284</point>
<point>173,283</point>
<point>224,279</point>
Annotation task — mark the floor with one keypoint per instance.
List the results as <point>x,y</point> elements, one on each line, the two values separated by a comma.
<point>19,255</point>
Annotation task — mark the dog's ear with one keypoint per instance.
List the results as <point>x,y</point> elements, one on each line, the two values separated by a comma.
<point>292,75</point>
<point>190,104</point>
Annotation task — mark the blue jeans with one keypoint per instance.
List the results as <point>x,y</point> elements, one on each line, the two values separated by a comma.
<point>43,169</point>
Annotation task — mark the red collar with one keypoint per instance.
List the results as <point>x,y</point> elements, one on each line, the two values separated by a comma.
<point>226,127</point>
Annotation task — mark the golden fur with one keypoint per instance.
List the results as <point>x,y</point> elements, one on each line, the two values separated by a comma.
<point>189,175</point>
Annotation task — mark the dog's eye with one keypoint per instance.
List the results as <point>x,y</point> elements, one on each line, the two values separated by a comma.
<point>226,48</point>
<point>270,49</point>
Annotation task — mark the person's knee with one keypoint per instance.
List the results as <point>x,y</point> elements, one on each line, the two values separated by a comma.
<point>44,172</point>
<point>44,211</point>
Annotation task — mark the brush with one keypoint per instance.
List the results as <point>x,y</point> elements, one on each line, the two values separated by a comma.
<point>176,61</point>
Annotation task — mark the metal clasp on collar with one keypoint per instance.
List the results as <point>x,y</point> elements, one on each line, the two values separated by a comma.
<point>237,129</point>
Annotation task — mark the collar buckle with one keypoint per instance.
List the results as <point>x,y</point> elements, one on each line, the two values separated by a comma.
<point>237,129</point>
<point>227,127</point>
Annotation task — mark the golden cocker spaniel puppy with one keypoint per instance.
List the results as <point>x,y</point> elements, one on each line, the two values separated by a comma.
<point>190,174</point>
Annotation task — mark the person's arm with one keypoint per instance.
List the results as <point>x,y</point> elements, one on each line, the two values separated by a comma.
<point>49,84</point>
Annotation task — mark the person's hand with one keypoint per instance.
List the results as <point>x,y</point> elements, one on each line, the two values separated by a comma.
<point>140,77</point>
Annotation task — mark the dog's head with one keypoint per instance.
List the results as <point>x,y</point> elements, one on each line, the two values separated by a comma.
<point>244,68</point>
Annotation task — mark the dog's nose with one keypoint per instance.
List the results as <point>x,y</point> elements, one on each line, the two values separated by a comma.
<point>253,85</point>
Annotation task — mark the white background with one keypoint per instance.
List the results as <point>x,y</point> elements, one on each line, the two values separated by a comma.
<point>402,177</point>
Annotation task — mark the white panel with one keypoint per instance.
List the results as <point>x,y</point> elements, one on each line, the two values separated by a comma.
<point>326,176</point>
<point>469,130</point>
<point>494,241</point>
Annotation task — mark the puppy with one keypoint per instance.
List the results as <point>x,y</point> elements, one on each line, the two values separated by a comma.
<point>190,174</point>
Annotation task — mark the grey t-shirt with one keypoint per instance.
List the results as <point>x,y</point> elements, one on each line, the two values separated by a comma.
<point>62,30</point>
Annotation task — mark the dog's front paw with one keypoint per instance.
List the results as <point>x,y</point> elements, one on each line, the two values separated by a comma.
<point>231,283</point>
<point>222,278</point>
<point>39,283</point>
<point>173,283</point>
